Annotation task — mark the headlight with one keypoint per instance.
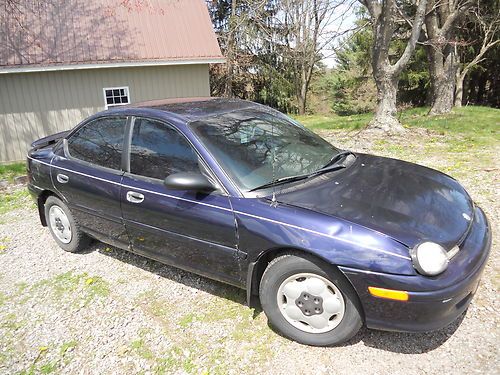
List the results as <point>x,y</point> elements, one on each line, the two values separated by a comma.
<point>429,258</point>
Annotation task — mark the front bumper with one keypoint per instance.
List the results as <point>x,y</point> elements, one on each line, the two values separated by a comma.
<point>433,302</point>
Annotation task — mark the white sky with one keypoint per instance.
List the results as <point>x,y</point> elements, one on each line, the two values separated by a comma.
<point>343,19</point>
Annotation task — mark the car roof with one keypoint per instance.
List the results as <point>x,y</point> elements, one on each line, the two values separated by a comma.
<point>192,109</point>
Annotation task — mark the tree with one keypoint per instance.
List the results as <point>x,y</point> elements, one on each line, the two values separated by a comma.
<point>485,22</point>
<point>307,28</point>
<point>384,17</point>
<point>349,86</point>
<point>440,25</point>
<point>235,24</point>
<point>271,45</point>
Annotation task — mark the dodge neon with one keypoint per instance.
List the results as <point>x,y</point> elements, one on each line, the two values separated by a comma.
<point>328,240</point>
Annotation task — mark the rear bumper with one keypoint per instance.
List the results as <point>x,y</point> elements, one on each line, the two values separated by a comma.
<point>434,302</point>
<point>34,191</point>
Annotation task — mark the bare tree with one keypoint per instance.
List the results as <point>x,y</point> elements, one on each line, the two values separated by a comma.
<point>309,27</point>
<point>440,26</point>
<point>385,15</point>
<point>488,27</point>
<point>286,37</point>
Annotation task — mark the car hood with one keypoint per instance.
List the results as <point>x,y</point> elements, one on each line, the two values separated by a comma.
<point>405,201</point>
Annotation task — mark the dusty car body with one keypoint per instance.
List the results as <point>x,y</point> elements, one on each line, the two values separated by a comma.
<point>363,218</point>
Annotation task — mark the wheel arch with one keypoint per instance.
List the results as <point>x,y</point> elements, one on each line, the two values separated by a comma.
<point>256,269</point>
<point>41,199</point>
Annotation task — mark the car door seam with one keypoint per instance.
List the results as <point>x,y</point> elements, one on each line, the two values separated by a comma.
<point>51,166</point>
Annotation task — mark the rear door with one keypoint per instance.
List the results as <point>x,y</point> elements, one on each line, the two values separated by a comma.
<point>88,175</point>
<point>190,230</point>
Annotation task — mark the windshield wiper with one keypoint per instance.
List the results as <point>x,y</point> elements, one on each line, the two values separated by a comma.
<point>282,180</point>
<point>336,158</point>
<point>330,166</point>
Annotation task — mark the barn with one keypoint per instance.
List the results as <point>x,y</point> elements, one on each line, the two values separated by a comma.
<point>61,61</point>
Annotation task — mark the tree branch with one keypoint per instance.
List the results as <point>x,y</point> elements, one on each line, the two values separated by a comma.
<point>418,21</point>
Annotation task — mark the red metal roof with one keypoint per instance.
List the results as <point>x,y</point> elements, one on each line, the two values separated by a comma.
<point>52,33</point>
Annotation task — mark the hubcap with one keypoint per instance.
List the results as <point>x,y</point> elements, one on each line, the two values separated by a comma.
<point>59,223</point>
<point>311,303</point>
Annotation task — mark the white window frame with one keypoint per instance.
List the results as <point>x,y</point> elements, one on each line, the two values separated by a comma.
<point>127,93</point>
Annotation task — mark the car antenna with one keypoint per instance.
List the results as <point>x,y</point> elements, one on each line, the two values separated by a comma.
<point>274,202</point>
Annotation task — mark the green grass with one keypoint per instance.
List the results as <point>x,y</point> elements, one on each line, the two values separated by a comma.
<point>461,142</point>
<point>330,122</point>
<point>65,347</point>
<point>14,200</point>
<point>48,368</point>
<point>480,123</point>
<point>79,288</point>
<point>196,353</point>
<point>142,349</point>
<point>10,171</point>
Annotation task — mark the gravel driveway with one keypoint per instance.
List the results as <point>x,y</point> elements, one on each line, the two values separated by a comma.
<point>107,311</point>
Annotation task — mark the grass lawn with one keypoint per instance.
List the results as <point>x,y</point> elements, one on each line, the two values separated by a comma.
<point>465,140</point>
<point>10,171</point>
<point>476,122</point>
<point>17,198</point>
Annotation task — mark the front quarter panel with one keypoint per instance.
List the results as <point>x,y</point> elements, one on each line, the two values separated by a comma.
<point>262,227</point>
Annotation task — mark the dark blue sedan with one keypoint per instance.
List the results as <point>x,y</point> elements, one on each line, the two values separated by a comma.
<point>327,239</point>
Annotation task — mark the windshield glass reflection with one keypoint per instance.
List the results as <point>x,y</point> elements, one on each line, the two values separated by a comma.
<point>245,142</point>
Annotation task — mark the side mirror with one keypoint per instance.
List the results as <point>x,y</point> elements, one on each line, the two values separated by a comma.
<point>189,181</point>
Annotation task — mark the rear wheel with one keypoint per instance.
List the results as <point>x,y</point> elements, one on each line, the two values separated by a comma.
<point>309,301</point>
<point>63,227</point>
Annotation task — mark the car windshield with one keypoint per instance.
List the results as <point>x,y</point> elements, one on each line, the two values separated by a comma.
<point>244,142</point>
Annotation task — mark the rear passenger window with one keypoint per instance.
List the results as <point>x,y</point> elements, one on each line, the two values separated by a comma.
<point>99,142</point>
<point>157,151</point>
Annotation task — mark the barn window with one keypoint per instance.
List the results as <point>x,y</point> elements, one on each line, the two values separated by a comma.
<point>114,96</point>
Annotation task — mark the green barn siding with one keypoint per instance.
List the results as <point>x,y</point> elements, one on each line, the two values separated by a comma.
<point>34,105</point>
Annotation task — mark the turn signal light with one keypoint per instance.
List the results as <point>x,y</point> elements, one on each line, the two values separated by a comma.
<point>397,295</point>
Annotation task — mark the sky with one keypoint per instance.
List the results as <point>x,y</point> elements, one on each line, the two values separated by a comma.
<point>343,18</point>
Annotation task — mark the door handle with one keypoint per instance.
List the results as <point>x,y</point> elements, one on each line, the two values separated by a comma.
<point>62,178</point>
<point>134,197</point>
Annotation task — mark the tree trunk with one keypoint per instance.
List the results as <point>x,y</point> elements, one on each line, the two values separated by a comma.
<point>459,88</point>
<point>230,52</point>
<point>386,75</point>
<point>301,104</point>
<point>481,88</point>
<point>443,75</point>
<point>385,114</point>
<point>302,98</point>
<point>443,95</point>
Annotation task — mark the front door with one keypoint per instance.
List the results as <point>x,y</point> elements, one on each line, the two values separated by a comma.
<point>87,174</point>
<point>189,230</point>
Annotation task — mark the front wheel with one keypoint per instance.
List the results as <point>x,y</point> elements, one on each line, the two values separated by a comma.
<point>63,227</point>
<point>309,301</point>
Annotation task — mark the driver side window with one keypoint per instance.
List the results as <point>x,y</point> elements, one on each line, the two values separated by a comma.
<point>157,150</point>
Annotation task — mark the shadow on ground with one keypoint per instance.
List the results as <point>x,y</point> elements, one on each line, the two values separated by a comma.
<point>405,343</point>
<point>397,342</point>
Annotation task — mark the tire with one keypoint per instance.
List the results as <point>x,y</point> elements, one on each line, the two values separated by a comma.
<point>59,221</point>
<point>334,312</point>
